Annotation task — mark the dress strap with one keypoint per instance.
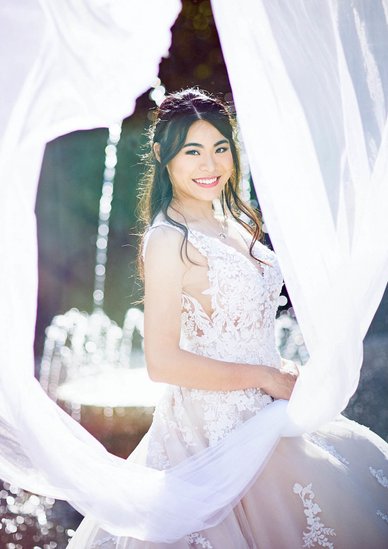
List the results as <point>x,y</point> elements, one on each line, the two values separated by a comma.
<point>148,233</point>
<point>198,240</point>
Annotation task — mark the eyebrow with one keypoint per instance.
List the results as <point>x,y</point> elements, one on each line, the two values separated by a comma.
<point>199,144</point>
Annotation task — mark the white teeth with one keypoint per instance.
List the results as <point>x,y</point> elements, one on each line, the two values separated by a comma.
<point>206,181</point>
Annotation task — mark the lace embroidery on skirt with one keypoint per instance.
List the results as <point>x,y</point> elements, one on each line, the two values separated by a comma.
<point>316,532</point>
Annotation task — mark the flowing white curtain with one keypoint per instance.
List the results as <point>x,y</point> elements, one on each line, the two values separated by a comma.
<point>313,114</point>
<point>311,91</point>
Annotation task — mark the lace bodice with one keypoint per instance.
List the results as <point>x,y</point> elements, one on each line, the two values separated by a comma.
<point>240,329</point>
<point>244,303</point>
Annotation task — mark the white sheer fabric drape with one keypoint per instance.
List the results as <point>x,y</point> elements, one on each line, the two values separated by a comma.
<point>311,93</point>
<point>313,114</point>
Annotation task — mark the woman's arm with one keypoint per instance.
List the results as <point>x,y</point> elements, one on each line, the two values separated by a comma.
<point>166,362</point>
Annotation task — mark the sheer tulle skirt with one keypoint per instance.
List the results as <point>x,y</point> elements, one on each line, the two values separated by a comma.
<point>326,489</point>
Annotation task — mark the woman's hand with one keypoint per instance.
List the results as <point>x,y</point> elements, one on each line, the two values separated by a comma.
<point>281,382</point>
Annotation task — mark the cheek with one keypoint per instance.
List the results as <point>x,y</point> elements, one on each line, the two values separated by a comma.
<point>178,166</point>
<point>178,172</point>
<point>229,164</point>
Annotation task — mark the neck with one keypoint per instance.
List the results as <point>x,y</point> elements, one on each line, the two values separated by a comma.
<point>200,216</point>
<point>193,211</point>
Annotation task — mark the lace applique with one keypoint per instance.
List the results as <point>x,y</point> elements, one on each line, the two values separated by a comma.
<point>157,457</point>
<point>379,476</point>
<point>227,268</point>
<point>240,329</point>
<point>199,540</point>
<point>244,303</point>
<point>223,410</point>
<point>241,326</point>
<point>316,532</point>
<point>321,442</point>
<point>193,318</point>
<point>179,414</point>
<point>164,421</point>
<point>382,515</point>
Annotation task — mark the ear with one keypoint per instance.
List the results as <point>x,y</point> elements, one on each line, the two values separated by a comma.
<point>156,148</point>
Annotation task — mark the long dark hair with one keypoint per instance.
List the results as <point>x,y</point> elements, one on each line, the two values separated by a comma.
<point>171,123</point>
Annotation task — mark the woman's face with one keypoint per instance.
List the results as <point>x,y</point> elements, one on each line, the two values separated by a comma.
<point>201,169</point>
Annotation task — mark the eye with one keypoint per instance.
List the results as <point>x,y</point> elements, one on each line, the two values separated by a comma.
<point>222,149</point>
<point>192,152</point>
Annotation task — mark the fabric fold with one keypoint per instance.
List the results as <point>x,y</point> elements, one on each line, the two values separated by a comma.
<point>311,92</point>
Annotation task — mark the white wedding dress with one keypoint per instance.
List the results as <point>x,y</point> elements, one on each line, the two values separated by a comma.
<point>326,489</point>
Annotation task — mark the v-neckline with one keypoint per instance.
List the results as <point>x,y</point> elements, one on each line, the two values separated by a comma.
<point>260,272</point>
<point>210,318</point>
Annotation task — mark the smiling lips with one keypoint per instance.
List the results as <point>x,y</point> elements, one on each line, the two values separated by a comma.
<point>207,181</point>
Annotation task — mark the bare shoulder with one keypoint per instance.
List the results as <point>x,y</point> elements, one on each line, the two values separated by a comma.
<point>164,239</point>
<point>163,248</point>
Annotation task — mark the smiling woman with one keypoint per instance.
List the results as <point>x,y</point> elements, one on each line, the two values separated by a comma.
<point>194,168</point>
<point>208,164</point>
<point>209,335</point>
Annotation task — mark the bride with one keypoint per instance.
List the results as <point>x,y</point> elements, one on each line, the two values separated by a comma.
<point>211,291</point>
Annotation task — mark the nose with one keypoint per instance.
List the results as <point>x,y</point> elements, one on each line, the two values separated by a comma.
<point>208,163</point>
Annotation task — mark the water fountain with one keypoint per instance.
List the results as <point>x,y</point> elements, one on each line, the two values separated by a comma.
<point>90,365</point>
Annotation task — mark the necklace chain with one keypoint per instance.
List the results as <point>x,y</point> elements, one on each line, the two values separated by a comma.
<point>224,228</point>
<point>219,216</point>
